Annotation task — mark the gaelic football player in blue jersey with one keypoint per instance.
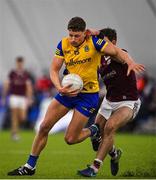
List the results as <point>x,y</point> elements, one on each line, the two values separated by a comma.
<point>81,56</point>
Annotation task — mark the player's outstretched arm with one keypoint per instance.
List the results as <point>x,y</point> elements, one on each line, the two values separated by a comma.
<point>118,53</point>
<point>123,56</point>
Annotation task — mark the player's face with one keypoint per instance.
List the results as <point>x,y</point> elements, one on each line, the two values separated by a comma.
<point>19,65</point>
<point>76,38</point>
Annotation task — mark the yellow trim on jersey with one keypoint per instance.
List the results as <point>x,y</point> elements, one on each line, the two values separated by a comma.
<point>61,57</point>
<point>104,46</point>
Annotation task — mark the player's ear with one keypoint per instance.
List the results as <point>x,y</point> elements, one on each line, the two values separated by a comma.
<point>87,32</point>
<point>114,42</point>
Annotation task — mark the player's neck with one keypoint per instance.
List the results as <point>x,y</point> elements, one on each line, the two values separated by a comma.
<point>80,44</point>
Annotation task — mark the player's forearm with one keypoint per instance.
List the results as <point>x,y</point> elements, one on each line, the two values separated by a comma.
<point>54,72</point>
<point>29,92</point>
<point>124,57</point>
<point>54,75</point>
<point>5,89</point>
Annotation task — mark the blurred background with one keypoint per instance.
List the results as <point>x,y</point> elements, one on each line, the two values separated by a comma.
<point>33,28</point>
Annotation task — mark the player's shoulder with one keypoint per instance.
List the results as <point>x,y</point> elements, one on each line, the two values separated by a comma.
<point>64,39</point>
<point>98,42</point>
<point>12,71</point>
<point>93,37</point>
<point>65,42</point>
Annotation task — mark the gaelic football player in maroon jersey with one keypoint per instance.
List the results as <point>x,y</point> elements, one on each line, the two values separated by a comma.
<point>19,88</point>
<point>119,106</point>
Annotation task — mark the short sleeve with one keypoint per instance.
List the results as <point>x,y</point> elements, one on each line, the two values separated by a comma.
<point>59,51</point>
<point>10,75</point>
<point>98,43</point>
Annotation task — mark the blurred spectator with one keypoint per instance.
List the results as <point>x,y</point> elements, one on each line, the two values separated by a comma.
<point>43,90</point>
<point>142,81</point>
<point>43,87</point>
<point>19,88</point>
<point>2,108</point>
<point>44,84</point>
<point>146,119</point>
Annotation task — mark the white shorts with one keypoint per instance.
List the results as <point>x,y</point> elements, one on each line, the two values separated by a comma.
<point>108,107</point>
<point>16,101</point>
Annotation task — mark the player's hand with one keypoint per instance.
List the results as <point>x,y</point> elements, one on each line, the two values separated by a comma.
<point>93,32</point>
<point>73,93</point>
<point>137,68</point>
<point>66,90</point>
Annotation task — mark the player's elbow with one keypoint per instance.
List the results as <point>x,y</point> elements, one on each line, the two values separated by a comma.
<point>111,50</point>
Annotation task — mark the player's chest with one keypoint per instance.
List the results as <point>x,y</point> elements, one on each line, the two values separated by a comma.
<point>80,53</point>
<point>18,78</point>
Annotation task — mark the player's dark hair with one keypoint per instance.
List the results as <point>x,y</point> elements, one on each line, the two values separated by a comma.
<point>20,59</point>
<point>110,33</point>
<point>77,24</point>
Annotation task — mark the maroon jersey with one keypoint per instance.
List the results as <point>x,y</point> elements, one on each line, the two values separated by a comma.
<point>120,87</point>
<point>18,81</point>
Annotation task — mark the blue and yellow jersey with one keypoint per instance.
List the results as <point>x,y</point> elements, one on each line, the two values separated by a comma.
<point>83,60</point>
